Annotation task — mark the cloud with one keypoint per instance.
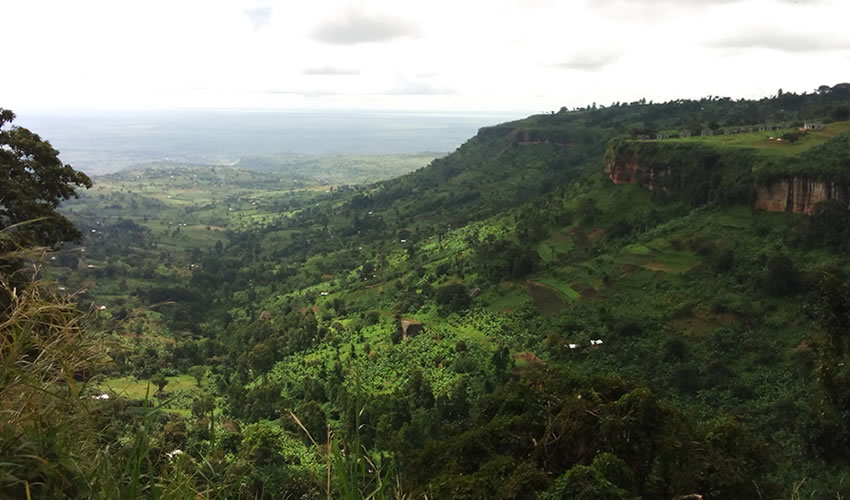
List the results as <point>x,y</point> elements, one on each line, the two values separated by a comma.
<point>400,88</point>
<point>330,70</point>
<point>589,61</point>
<point>259,16</point>
<point>779,39</point>
<point>677,3</point>
<point>299,92</point>
<point>418,87</point>
<point>355,27</point>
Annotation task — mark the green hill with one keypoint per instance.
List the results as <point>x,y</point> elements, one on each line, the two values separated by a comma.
<point>505,322</point>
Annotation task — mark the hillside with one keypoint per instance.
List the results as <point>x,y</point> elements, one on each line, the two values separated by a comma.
<point>556,308</point>
<point>791,174</point>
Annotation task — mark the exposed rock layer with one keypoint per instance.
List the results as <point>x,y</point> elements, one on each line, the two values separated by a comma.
<point>798,194</point>
<point>793,194</point>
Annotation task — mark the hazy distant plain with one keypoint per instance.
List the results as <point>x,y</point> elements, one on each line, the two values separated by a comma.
<point>104,142</point>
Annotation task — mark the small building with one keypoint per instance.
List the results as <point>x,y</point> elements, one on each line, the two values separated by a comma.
<point>410,327</point>
<point>643,137</point>
<point>706,133</point>
<point>684,135</point>
<point>662,136</point>
<point>812,125</point>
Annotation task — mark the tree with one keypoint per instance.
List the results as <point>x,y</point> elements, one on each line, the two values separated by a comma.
<point>841,113</point>
<point>831,422</point>
<point>587,211</point>
<point>583,482</point>
<point>34,182</point>
<point>159,381</point>
<point>782,277</point>
<point>262,359</point>
<point>453,298</point>
<point>197,372</point>
<point>203,405</point>
<point>828,225</point>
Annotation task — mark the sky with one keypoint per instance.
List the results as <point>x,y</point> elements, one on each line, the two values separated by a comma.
<point>495,55</point>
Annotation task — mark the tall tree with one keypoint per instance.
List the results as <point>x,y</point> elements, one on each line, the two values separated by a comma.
<point>33,181</point>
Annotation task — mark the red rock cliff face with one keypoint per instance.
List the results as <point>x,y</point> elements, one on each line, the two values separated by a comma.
<point>623,173</point>
<point>631,172</point>
<point>798,194</point>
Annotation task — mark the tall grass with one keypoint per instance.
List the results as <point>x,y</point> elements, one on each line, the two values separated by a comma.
<point>353,472</point>
<point>50,444</point>
<point>44,361</point>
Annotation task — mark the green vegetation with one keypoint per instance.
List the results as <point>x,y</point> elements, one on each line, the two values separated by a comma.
<point>334,170</point>
<point>503,323</point>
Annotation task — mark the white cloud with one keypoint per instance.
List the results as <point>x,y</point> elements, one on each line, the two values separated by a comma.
<point>354,26</point>
<point>494,54</point>
<point>589,60</point>
<point>330,71</point>
<point>781,40</point>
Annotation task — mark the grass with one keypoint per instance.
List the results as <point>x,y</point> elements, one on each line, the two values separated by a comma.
<point>133,388</point>
<point>560,285</point>
<point>547,300</point>
<point>761,141</point>
<point>510,296</point>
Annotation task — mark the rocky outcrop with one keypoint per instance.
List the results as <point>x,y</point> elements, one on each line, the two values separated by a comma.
<point>631,172</point>
<point>785,194</point>
<point>623,172</point>
<point>798,194</point>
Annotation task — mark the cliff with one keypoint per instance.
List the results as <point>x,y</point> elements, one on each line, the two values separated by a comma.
<point>798,194</point>
<point>631,172</point>
<point>691,173</point>
<point>678,172</point>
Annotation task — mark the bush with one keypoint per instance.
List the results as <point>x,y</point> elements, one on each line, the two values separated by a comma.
<point>722,261</point>
<point>453,298</point>
<point>829,225</point>
<point>781,278</point>
<point>792,136</point>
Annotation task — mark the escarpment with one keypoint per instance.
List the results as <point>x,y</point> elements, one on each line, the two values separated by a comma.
<point>694,173</point>
<point>798,194</point>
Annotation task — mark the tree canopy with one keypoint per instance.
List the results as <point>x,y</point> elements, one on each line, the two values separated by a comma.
<point>33,181</point>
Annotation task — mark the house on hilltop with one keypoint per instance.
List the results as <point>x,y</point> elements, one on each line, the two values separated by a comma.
<point>812,125</point>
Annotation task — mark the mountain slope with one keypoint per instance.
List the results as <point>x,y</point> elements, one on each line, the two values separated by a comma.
<point>511,259</point>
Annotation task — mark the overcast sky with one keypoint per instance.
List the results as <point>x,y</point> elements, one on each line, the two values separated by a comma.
<point>529,55</point>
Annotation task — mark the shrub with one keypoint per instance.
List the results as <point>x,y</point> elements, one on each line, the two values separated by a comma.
<point>453,298</point>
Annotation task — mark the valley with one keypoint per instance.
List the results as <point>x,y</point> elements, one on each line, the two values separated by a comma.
<point>557,308</point>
